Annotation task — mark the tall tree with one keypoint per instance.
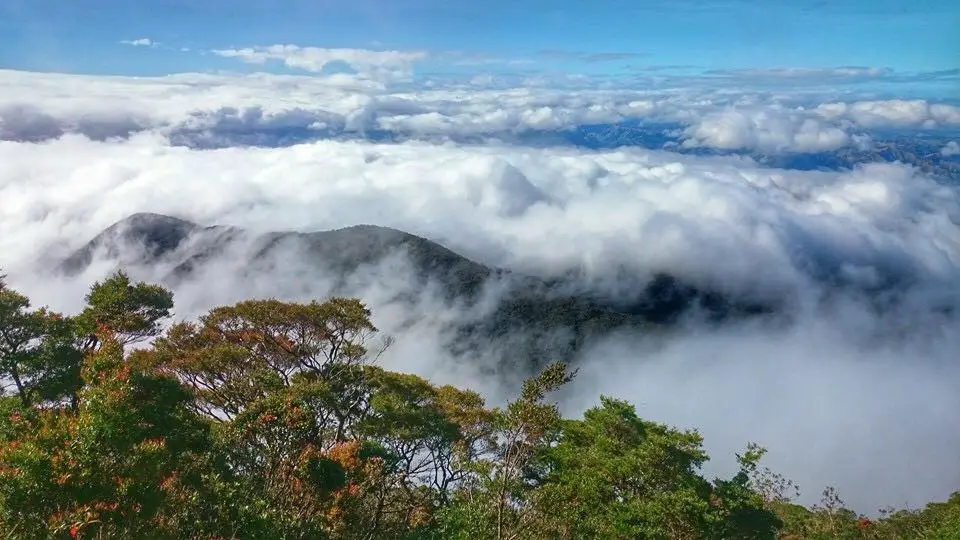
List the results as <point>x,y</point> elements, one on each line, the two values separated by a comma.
<point>131,311</point>
<point>37,350</point>
<point>21,331</point>
<point>496,500</point>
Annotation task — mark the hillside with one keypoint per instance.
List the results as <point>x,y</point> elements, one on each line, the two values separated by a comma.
<point>553,315</point>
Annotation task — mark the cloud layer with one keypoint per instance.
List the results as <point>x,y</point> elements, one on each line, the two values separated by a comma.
<point>852,371</point>
<point>40,105</point>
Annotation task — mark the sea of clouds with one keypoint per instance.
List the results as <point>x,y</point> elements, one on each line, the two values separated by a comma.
<point>851,393</point>
<point>217,110</point>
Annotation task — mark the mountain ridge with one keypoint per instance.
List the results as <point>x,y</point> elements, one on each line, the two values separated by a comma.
<point>531,305</point>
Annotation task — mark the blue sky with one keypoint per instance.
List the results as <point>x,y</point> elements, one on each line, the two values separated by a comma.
<point>84,35</point>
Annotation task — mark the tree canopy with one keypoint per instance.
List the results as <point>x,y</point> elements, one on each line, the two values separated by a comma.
<point>270,419</point>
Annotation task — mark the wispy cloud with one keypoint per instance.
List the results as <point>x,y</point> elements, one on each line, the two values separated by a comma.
<point>940,74</point>
<point>841,74</point>
<point>590,57</point>
<point>315,59</point>
<point>667,67</point>
<point>141,42</point>
<point>800,72</point>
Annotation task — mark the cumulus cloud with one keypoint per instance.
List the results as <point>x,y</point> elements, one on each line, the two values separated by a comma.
<point>950,149</point>
<point>315,59</point>
<point>827,381</point>
<point>360,105</point>
<point>770,130</point>
<point>20,122</point>
<point>828,126</point>
<point>252,126</point>
<point>892,113</point>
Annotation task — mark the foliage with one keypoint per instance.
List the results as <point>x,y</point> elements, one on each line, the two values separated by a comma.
<point>37,350</point>
<point>132,311</point>
<point>270,419</point>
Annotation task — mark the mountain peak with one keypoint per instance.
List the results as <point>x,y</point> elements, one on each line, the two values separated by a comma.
<point>142,237</point>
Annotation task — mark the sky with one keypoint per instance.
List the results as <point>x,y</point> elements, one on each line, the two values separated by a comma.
<point>472,124</point>
<point>589,36</point>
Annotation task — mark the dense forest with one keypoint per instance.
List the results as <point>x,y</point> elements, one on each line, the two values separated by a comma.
<point>269,419</point>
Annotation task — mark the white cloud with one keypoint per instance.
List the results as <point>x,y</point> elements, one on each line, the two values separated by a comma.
<point>843,72</point>
<point>717,118</point>
<point>314,59</point>
<point>766,130</point>
<point>892,113</point>
<point>796,78</point>
<point>599,204</point>
<point>950,149</point>
<point>829,126</point>
<point>142,42</point>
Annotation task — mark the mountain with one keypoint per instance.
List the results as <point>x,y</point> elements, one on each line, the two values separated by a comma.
<point>551,314</point>
<point>146,238</point>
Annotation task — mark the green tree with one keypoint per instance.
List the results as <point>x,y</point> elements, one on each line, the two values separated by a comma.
<point>613,475</point>
<point>293,394</point>
<point>268,419</point>
<point>741,507</point>
<point>21,332</point>
<point>495,501</point>
<point>132,311</point>
<point>128,464</point>
<point>241,353</point>
<point>37,350</point>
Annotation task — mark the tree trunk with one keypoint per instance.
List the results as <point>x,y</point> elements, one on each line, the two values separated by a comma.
<point>20,389</point>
